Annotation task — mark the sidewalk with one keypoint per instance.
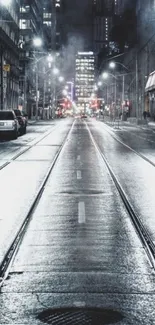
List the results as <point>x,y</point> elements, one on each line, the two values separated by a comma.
<point>31,122</point>
<point>34,121</point>
<point>129,123</point>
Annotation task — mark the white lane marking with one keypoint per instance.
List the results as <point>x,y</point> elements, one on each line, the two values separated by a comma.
<point>79,303</point>
<point>78,157</point>
<point>79,176</point>
<point>81,212</point>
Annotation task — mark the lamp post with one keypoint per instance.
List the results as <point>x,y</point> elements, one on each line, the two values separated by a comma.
<point>105,76</point>
<point>100,83</point>
<point>37,43</point>
<point>113,65</point>
<point>50,60</point>
<point>55,72</point>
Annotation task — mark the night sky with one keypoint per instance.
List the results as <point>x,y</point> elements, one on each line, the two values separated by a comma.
<point>78,22</point>
<point>77,29</point>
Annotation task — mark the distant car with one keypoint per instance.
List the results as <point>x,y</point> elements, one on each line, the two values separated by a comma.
<point>8,124</point>
<point>21,120</point>
<point>83,116</point>
<point>77,116</point>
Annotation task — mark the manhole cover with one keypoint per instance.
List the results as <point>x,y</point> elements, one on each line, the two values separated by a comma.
<point>80,316</point>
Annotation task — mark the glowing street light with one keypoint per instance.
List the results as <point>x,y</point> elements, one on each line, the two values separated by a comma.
<point>112,65</point>
<point>99,83</point>
<point>55,71</point>
<point>50,58</point>
<point>61,79</point>
<point>64,92</point>
<point>37,41</point>
<point>105,75</point>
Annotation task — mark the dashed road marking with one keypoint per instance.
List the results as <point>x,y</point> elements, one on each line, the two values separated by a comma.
<point>79,176</point>
<point>78,157</point>
<point>79,303</point>
<point>81,212</point>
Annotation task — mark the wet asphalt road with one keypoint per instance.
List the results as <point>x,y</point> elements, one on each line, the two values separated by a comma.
<point>81,248</point>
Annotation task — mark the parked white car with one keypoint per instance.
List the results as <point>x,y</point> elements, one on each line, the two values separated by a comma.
<point>8,124</point>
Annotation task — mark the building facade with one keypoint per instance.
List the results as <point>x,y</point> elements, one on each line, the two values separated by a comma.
<point>59,10</point>
<point>37,19</point>
<point>140,60</point>
<point>84,78</point>
<point>9,55</point>
<point>104,15</point>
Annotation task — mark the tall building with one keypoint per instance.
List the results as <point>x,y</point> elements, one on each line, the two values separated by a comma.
<point>9,57</point>
<point>48,24</point>
<point>84,78</point>
<point>37,19</point>
<point>104,15</point>
<point>59,7</point>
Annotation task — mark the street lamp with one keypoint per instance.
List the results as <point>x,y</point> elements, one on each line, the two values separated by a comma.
<point>64,92</point>
<point>61,79</point>
<point>37,41</point>
<point>100,83</point>
<point>50,58</point>
<point>55,71</point>
<point>112,65</point>
<point>105,76</point>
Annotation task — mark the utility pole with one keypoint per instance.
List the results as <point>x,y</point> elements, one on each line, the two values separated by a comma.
<point>44,92</point>
<point>107,94</point>
<point>137,105</point>
<point>37,92</point>
<point>115,97</point>
<point>25,89</point>
<point>123,86</point>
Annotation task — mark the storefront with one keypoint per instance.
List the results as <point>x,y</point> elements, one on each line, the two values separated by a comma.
<point>150,95</point>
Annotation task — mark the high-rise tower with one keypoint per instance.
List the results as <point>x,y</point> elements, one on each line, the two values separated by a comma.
<point>104,14</point>
<point>84,78</point>
<point>9,56</point>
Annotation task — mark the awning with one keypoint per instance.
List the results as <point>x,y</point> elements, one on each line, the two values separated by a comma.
<point>150,85</point>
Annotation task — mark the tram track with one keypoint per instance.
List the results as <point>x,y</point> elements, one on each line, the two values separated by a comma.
<point>141,230</point>
<point>131,149</point>
<point>12,251</point>
<point>17,155</point>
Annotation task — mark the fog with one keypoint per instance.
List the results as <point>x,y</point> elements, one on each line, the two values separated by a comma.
<point>75,43</point>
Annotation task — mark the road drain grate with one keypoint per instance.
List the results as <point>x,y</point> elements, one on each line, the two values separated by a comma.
<point>80,316</point>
